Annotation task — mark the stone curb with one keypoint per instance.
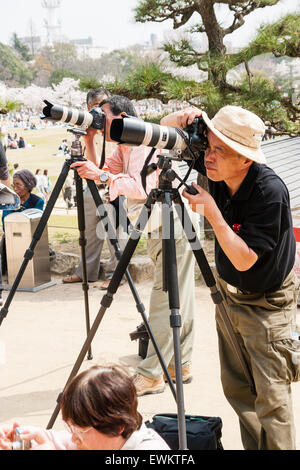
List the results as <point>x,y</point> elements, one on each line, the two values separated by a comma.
<point>141,267</point>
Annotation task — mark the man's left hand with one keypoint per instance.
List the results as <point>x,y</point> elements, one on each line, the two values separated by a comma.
<point>202,203</point>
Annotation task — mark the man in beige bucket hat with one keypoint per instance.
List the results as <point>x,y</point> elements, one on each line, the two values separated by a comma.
<point>248,208</point>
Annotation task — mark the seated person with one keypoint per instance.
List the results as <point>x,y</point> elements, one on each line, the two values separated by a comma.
<point>23,183</point>
<point>21,143</point>
<point>4,172</point>
<point>64,147</point>
<point>99,407</point>
<point>13,144</point>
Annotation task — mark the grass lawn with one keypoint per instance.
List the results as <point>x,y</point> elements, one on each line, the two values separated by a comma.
<point>45,143</point>
<point>42,154</point>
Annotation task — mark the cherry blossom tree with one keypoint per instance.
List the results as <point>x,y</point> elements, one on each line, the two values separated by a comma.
<point>67,92</point>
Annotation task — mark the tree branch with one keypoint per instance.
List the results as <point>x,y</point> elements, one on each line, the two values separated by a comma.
<point>250,74</point>
<point>183,54</point>
<point>291,108</point>
<point>161,10</point>
<point>242,9</point>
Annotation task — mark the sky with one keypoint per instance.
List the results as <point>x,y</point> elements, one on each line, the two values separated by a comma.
<point>111,22</point>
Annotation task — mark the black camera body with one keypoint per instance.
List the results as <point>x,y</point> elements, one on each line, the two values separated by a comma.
<point>98,118</point>
<point>197,134</point>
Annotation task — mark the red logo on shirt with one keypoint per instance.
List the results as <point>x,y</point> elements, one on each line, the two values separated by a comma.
<point>236,228</point>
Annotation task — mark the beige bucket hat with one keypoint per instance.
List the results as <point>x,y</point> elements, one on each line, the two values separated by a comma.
<point>240,129</point>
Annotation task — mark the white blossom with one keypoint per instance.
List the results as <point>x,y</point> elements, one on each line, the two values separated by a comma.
<point>67,92</point>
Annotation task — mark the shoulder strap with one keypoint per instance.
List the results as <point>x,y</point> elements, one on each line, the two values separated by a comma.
<point>144,171</point>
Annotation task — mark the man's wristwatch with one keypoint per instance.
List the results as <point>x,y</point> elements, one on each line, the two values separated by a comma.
<point>104,177</point>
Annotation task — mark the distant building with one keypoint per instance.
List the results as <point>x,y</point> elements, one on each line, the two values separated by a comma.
<point>33,42</point>
<point>85,48</point>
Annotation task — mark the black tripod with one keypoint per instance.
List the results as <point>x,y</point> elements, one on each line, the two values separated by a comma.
<point>76,155</point>
<point>168,195</point>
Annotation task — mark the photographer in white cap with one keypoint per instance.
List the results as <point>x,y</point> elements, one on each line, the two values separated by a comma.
<point>248,208</point>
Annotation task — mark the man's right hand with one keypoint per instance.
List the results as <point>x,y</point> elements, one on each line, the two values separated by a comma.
<point>90,148</point>
<point>90,134</point>
<point>181,119</point>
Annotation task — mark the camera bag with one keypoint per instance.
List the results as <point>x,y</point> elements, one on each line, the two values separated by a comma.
<point>203,432</point>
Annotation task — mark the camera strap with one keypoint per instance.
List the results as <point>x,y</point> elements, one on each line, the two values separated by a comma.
<point>188,146</point>
<point>102,161</point>
<point>145,169</point>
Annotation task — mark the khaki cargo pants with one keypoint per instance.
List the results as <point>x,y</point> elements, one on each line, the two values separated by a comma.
<point>263,324</point>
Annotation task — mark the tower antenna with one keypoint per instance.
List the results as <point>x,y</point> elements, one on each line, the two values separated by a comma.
<point>52,24</point>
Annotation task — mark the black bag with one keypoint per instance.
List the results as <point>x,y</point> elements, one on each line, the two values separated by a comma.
<point>203,432</point>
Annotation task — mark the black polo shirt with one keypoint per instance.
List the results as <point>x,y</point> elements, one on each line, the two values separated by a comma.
<point>259,212</point>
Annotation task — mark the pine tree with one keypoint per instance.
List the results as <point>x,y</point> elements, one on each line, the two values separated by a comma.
<point>255,91</point>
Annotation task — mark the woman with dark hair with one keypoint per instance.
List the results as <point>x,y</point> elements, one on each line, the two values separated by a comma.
<point>23,183</point>
<point>99,407</point>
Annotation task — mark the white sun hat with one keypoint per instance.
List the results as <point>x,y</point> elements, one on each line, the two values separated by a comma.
<point>240,129</point>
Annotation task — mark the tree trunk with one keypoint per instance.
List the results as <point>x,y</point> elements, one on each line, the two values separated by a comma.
<point>216,47</point>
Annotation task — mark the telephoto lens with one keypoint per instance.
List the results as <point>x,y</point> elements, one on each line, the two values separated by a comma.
<point>85,119</point>
<point>134,131</point>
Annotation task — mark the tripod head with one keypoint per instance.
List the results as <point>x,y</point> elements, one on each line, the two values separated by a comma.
<point>76,147</point>
<point>167,174</point>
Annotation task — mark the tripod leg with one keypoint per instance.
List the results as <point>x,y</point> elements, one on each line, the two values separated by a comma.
<point>124,262</point>
<point>121,269</point>
<point>175,318</point>
<point>36,237</point>
<point>211,283</point>
<point>105,303</point>
<point>82,243</point>
<point>2,254</point>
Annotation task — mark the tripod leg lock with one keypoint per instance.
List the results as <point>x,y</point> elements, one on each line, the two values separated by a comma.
<point>59,398</point>
<point>82,241</point>
<point>106,301</point>
<point>175,320</point>
<point>3,313</point>
<point>28,254</point>
<point>140,308</point>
